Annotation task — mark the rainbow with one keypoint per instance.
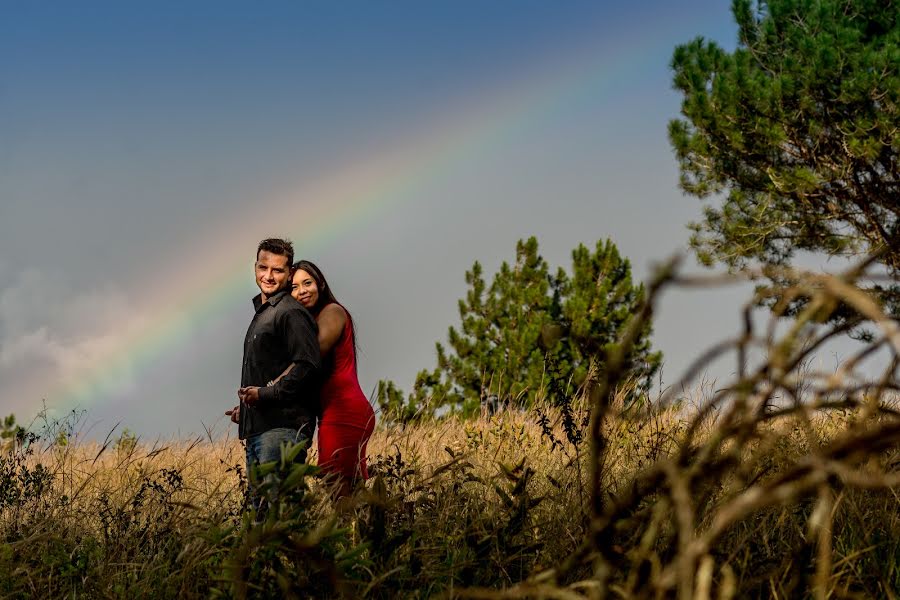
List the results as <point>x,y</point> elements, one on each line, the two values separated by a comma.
<point>333,205</point>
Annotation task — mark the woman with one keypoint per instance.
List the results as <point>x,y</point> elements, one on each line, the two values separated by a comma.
<point>347,419</point>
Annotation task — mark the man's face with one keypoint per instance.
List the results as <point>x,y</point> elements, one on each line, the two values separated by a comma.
<point>272,272</point>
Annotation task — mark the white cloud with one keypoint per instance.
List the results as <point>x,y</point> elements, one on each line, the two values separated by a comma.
<point>53,337</point>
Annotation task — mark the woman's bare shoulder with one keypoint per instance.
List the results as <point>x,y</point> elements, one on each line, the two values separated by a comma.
<point>333,313</point>
<point>333,310</point>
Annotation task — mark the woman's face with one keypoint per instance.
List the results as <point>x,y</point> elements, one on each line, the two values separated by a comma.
<point>304,289</point>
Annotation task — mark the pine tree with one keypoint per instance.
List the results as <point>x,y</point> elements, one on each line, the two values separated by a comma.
<point>528,326</point>
<point>799,128</point>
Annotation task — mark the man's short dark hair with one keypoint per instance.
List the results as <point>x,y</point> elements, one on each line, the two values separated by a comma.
<point>277,246</point>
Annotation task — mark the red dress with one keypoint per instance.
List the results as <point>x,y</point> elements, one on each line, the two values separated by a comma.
<point>347,419</point>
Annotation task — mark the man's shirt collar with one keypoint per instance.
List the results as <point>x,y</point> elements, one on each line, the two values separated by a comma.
<point>273,300</point>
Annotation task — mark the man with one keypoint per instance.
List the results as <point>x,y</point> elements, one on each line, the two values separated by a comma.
<point>282,340</point>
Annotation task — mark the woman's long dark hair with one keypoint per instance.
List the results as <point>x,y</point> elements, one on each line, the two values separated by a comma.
<point>326,296</point>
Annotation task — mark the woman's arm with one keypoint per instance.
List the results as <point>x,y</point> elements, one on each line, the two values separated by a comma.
<point>331,320</point>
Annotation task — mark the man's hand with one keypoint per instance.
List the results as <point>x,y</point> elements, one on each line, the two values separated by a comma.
<point>234,413</point>
<point>249,395</point>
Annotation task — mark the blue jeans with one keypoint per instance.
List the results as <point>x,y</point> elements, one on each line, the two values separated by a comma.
<point>267,447</point>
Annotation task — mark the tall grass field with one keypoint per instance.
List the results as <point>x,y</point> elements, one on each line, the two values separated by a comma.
<point>479,508</point>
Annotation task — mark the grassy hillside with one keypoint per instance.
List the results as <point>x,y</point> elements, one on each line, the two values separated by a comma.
<point>454,506</point>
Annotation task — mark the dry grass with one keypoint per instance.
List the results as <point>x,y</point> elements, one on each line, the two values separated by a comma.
<point>458,507</point>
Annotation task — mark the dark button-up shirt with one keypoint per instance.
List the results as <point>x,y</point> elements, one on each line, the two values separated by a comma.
<point>281,333</point>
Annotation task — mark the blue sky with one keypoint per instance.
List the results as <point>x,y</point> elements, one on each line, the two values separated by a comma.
<point>132,130</point>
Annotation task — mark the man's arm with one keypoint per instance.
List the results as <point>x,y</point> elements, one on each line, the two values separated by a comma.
<point>301,339</point>
<point>331,323</point>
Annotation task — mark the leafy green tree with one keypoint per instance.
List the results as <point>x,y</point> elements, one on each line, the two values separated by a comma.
<point>528,327</point>
<point>395,406</point>
<point>10,432</point>
<point>795,134</point>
